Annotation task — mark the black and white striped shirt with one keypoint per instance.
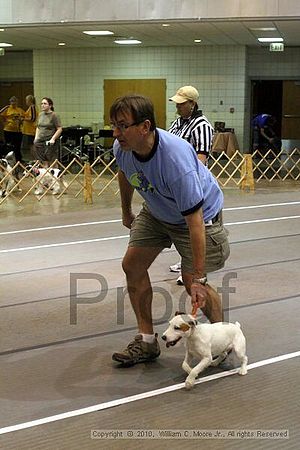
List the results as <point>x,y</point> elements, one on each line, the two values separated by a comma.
<point>197,130</point>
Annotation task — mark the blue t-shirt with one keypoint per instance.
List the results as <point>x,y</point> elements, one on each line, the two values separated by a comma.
<point>172,180</point>
<point>261,120</point>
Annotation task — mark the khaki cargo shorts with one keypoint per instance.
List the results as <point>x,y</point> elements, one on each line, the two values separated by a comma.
<point>147,231</point>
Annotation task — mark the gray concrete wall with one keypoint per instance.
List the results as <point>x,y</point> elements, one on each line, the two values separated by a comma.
<point>18,12</point>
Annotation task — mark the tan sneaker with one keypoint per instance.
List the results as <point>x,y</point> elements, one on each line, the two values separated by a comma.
<point>137,351</point>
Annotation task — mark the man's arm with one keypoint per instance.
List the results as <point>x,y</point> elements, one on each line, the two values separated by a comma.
<point>262,132</point>
<point>202,136</point>
<point>126,191</point>
<point>196,226</point>
<point>198,241</point>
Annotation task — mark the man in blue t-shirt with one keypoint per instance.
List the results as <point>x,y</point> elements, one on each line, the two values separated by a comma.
<point>183,206</point>
<point>264,136</point>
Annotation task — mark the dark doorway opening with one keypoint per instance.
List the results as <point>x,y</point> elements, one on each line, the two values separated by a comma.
<point>266,98</point>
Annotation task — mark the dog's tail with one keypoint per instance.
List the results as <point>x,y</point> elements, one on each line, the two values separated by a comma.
<point>238,324</point>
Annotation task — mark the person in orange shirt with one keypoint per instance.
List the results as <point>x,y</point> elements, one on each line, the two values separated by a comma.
<point>29,126</point>
<point>12,117</point>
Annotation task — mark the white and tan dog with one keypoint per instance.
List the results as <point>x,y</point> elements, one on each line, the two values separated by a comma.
<point>50,178</point>
<point>7,181</point>
<point>206,341</point>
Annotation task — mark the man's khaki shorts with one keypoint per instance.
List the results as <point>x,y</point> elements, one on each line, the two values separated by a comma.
<point>147,231</point>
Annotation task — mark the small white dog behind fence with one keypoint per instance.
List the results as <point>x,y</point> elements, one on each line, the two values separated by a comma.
<point>209,343</point>
<point>46,179</point>
<point>7,181</point>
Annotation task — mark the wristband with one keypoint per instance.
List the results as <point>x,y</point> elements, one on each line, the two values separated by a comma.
<point>202,281</point>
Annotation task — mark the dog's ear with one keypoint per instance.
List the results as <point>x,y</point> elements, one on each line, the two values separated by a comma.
<point>193,322</point>
<point>184,327</point>
<point>178,313</point>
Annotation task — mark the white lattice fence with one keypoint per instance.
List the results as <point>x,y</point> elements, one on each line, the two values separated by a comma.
<point>37,182</point>
<point>282,166</point>
<point>19,182</point>
<point>227,169</point>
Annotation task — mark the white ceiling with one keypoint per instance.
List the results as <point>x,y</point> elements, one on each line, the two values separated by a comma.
<point>179,33</point>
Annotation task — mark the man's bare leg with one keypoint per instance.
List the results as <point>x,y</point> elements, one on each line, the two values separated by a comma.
<point>136,263</point>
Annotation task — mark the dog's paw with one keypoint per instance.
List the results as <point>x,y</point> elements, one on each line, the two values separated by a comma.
<point>189,383</point>
<point>243,371</point>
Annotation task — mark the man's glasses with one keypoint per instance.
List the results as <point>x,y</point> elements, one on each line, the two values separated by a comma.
<point>122,126</point>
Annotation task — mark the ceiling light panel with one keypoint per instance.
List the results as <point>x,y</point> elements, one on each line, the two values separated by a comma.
<point>98,33</point>
<point>127,41</point>
<point>270,39</point>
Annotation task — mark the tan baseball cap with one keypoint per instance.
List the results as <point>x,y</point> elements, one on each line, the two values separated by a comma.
<point>184,94</point>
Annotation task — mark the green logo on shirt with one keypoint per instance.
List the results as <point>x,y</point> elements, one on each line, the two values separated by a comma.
<point>140,182</point>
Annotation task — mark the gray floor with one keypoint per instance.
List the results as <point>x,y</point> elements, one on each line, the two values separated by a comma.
<point>49,366</point>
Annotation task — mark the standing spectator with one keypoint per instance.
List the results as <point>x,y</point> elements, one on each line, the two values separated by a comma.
<point>29,126</point>
<point>264,135</point>
<point>47,133</point>
<point>183,205</point>
<point>191,124</point>
<point>12,116</point>
<point>195,128</point>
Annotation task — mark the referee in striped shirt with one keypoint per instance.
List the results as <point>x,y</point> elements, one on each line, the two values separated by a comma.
<point>192,125</point>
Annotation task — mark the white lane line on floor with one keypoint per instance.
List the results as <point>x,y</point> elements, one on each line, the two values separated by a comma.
<point>63,244</point>
<point>267,205</point>
<point>143,396</point>
<point>102,222</point>
<point>111,238</point>
<point>58,227</point>
<point>271,219</point>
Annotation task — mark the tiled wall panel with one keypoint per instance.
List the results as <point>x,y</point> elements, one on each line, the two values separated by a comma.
<point>74,77</point>
<point>53,11</point>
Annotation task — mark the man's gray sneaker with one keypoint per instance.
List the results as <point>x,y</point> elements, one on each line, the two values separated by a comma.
<point>137,351</point>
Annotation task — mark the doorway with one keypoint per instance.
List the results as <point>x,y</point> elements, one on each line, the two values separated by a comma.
<point>280,98</point>
<point>17,88</point>
<point>155,89</point>
<point>267,99</point>
<point>290,128</point>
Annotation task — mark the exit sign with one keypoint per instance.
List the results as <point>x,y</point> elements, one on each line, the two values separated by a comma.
<point>276,47</point>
